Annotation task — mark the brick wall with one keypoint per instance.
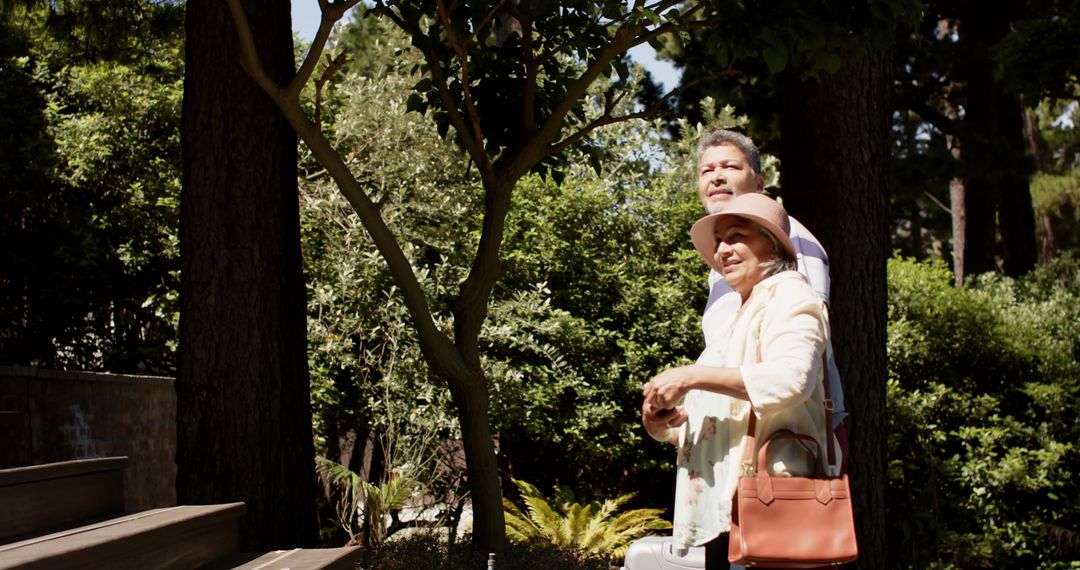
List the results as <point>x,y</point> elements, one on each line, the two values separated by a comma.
<point>51,415</point>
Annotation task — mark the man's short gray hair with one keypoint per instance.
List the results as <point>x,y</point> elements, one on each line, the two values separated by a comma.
<point>720,137</point>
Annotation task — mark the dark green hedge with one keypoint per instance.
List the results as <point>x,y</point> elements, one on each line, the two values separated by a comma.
<point>983,392</point>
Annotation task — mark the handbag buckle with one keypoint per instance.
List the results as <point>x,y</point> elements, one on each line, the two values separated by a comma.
<point>748,469</point>
<point>829,406</point>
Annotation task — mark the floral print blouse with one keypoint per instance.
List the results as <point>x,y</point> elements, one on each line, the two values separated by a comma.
<point>788,319</point>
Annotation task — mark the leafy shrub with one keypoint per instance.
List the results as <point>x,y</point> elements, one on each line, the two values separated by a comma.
<point>982,391</point>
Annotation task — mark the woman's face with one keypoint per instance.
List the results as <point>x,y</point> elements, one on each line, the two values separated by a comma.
<point>740,250</point>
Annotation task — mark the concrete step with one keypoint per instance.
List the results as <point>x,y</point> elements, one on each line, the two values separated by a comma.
<point>184,537</point>
<point>297,559</point>
<point>40,498</point>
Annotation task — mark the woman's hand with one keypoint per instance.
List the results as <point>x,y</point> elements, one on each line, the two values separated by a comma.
<point>667,389</point>
<point>660,409</point>
<point>661,423</point>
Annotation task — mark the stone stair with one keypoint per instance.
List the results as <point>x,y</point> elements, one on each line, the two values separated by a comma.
<point>70,515</point>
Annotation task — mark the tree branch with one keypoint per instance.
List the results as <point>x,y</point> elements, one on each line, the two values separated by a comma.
<point>249,58</point>
<point>436,346</point>
<point>332,67</point>
<point>625,38</point>
<point>473,145</point>
<point>654,110</point>
<point>331,13</point>
<point>471,304</point>
<point>936,118</point>
<point>484,21</point>
<point>462,51</point>
<point>938,202</point>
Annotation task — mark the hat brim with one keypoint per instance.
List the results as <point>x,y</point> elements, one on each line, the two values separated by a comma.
<point>703,235</point>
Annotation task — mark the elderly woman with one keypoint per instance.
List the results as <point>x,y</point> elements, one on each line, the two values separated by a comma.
<point>769,357</point>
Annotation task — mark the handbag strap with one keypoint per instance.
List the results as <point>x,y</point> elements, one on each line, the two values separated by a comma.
<point>749,466</point>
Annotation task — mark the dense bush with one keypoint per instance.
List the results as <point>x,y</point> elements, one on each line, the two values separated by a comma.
<point>89,204</point>
<point>983,387</point>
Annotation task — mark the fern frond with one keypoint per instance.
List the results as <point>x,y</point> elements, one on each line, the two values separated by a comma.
<point>594,527</point>
<point>519,527</point>
<point>543,516</point>
<point>397,492</point>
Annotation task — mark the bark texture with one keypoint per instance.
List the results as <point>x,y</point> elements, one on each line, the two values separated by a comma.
<point>997,197</point>
<point>834,175</point>
<point>1016,214</point>
<point>244,417</point>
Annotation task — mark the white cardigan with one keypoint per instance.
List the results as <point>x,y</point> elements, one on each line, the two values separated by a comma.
<point>786,389</point>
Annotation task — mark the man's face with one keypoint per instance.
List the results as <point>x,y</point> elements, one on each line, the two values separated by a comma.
<point>723,174</point>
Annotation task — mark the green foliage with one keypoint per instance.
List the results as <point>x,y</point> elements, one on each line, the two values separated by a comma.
<point>1040,58</point>
<point>593,528</point>
<point>814,38</point>
<point>1056,199</point>
<point>1055,189</point>
<point>922,168</point>
<point>90,253</point>
<point>599,290</point>
<point>358,328</point>
<point>982,451</point>
<point>511,78</point>
<point>598,296</point>
<point>1032,53</point>
<point>760,40</point>
<point>374,504</point>
<point>134,33</point>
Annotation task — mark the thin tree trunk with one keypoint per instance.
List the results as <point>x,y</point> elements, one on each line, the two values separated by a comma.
<point>957,196</point>
<point>958,207</point>
<point>244,418</point>
<point>481,466</point>
<point>834,179</point>
<point>1036,146</point>
<point>1049,246</point>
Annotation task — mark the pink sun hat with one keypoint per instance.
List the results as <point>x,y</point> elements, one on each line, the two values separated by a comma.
<point>756,207</point>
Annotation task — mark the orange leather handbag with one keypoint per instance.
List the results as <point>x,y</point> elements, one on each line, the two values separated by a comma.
<point>791,522</point>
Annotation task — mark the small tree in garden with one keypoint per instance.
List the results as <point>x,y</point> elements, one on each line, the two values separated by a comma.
<point>513,80</point>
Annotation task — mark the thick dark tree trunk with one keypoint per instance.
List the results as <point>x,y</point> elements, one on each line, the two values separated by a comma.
<point>1016,215</point>
<point>981,169</point>
<point>834,180</point>
<point>997,193</point>
<point>244,418</point>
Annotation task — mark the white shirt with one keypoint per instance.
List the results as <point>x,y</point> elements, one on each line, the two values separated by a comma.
<point>724,302</point>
